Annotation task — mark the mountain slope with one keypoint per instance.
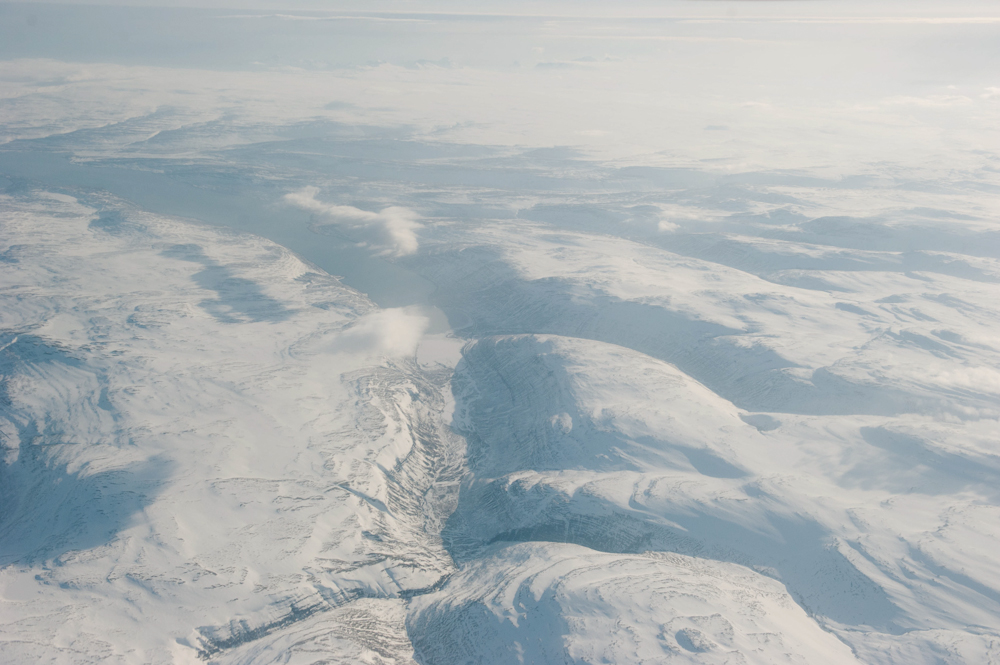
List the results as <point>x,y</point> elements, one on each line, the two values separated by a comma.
<point>191,463</point>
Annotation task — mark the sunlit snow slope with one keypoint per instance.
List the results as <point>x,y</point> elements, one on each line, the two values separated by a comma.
<point>203,453</point>
<point>665,334</point>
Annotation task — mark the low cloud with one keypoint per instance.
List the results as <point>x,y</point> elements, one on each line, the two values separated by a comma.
<point>390,232</point>
<point>388,332</point>
<point>979,379</point>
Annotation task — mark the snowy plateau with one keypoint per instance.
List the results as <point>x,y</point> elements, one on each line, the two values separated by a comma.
<point>500,333</point>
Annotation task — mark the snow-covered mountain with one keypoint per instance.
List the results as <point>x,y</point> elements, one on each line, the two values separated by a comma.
<point>410,335</point>
<point>199,449</point>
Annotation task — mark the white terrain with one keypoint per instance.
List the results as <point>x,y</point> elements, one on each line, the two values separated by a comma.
<point>525,333</point>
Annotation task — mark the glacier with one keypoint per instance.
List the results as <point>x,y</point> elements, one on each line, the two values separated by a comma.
<point>551,333</point>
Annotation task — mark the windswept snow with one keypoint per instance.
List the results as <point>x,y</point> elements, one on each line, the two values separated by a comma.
<point>550,603</point>
<point>665,333</point>
<point>189,467</point>
<point>656,462</point>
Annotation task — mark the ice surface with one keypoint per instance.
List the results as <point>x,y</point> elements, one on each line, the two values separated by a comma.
<point>392,334</point>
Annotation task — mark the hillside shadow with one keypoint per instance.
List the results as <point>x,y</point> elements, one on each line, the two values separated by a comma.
<point>909,464</point>
<point>438,636</point>
<point>496,402</point>
<point>240,300</point>
<point>483,296</point>
<point>51,503</point>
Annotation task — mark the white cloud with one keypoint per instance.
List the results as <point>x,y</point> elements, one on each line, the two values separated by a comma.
<point>980,379</point>
<point>391,232</point>
<point>562,423</point>
<point>388,332</point>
